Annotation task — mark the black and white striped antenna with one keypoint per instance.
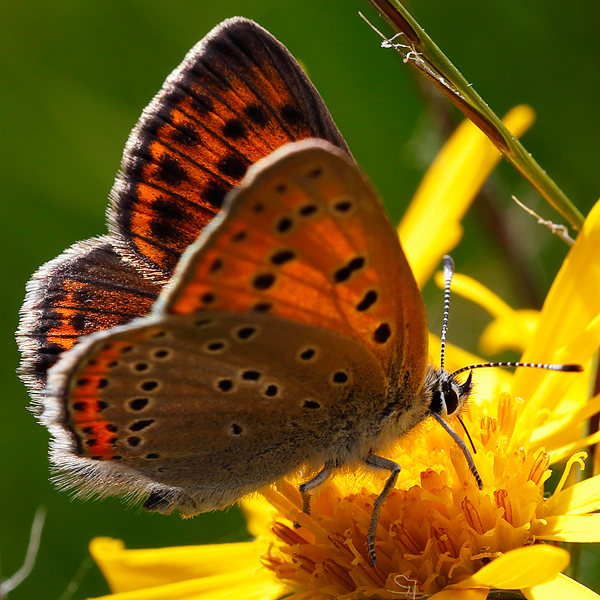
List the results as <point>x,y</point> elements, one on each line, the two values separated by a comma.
<point>448,274</point>
<point>447,377</point>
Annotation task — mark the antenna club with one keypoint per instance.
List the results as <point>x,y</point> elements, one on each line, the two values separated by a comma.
<point>570,368</point>
<point>448,267</point>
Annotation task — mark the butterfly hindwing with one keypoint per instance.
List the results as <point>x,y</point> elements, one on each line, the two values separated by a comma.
<point>238,95</point>
<point>86,289</point>
<point>209,408</point>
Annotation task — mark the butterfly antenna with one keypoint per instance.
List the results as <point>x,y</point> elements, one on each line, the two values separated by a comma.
<point>448,274</point>
<point>448,270</point>
<point>547,366</point>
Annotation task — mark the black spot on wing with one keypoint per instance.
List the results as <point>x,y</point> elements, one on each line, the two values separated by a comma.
<point>233,167</point>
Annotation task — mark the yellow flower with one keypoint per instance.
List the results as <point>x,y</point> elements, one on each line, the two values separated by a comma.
<point>438,534</point>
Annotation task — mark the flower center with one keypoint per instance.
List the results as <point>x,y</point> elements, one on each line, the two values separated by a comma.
<point>435,529</point>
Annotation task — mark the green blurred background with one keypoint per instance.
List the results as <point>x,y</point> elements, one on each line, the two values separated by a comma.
<point>74,77</point>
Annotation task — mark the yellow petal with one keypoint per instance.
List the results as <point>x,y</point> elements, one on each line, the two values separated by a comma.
<point>520,568</point>
<point>431,226</point>
<point>251,585</point>
<point>127,570</point>
<point>563,588</point>
<point>509,332</point>
<point>571,528</point>
<point>553,433</point>
<point>583,497</point>
<point>259,514</point>
<point>561,454</point>
<point>545,390</point>
<point>572,303</point>
<point>473,290</point>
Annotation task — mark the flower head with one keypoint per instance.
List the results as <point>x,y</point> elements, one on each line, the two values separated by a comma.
<point>436,528</point>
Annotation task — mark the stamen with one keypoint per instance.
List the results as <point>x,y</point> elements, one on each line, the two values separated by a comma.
<point>505,408</point>
<point>406,540</point>
<point>539,467</point>
<point>472,516</point>
<point>287,535</point>
<point>338,574</point>
<point>306,563</point>
<point>271,562</point>
<point>372,575</point>
<point>503,501</point>
<point>487,428</point>
<point>444,542</point>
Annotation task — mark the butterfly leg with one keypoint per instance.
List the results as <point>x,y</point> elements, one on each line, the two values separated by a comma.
<point>317,480</point>
<point>165,501</point>
<point>388,465</point>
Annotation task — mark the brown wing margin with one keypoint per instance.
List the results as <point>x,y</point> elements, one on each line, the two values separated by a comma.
<point>87,288</point>
<point>238,95</point>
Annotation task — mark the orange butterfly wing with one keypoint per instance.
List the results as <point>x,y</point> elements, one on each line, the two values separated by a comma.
<point>293,332</point>
<point>305,238</point>
<point>85,289</point>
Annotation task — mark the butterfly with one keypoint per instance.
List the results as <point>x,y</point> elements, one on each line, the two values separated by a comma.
<point>251,310</point>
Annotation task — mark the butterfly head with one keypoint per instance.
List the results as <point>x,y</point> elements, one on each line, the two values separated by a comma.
<point>448,396</point>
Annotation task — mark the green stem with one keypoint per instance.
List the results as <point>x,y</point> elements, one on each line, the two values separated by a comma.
<point>422,52</point>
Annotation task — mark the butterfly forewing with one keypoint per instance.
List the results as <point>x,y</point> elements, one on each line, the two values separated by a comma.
<point>214,407</point>
<point>237,96</point>
<point>306,239</point>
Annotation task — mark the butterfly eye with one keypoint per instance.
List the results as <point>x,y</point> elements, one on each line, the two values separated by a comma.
<point>446,401</point>
<point>452,401</point>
